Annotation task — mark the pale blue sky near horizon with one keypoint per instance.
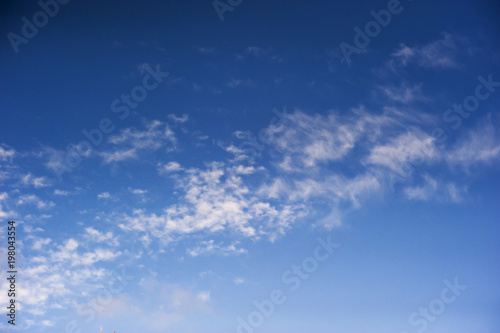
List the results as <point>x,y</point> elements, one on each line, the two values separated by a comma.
<point>168,169</point>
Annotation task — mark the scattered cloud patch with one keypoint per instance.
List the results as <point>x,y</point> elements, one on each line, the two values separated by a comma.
<point>437,54</point>
<point>181,119</point>
<point>36,182</point>
<point>138,191</point>
<point>31,199</point>
<point>210,247</point>
<point>132,141</point>
<point>6,153</point>
<point>169,167</point>
<point>61,193</point>
<point>104,195</point>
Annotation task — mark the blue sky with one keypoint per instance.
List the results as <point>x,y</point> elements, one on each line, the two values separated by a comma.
<point>252,166</point>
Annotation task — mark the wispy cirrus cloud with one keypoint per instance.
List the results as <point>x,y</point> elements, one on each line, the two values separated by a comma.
<point>440,53</point>
<point>404,93</point>
<point>131,141</point>
<point>210,247</point>
<point>182,119</point>
<point>411,146</point>
<point>313,140</point>
<point>434,189</point>
<point>479,145</point>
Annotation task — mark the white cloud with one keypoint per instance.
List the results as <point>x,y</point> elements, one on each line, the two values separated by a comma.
<point>238,280</point>
<point>433,189</point>
<point>4,175</point>
<point>210,247</point>
<point>58,276</point>
<point>239,154</point>
<point>455,193</point>
<point>71,244</point>
<point>90,258</point>
<point>140,193</point>
<point>169,167</point>
<point>329,160</point>
<point>243,170</point>
<point>61,192</point>
<point>422,192</point>
<point>37,182</point>
<point>439,54</point>
<point>479,146</point>
<point>6,153</point>
<point>47,323</point>
<point>28,229</point>
<point>131,141</point>
<point>104,195</point>
<point>276,189</point>
<point>215,199</point>
<point>314,151</point>
<point>145,240</point>
<point>403,94</point>
<point>404,54</point>
<point>204,296</point>
<point>56,160</point>
<point>181,119</point>
<point>412,146</point>
<point>119,156</point>
<point>334,191</point>
<point>40,242</point>
<point>234,150</point>
<point>31,199</point>
<point>5,214</point>
<point>313,139</point>
<point>307,141</point>
<point>69,254</point>
<point>100,237</point>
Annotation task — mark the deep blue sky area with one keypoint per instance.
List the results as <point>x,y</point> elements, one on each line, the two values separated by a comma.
<point>251,166</point>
